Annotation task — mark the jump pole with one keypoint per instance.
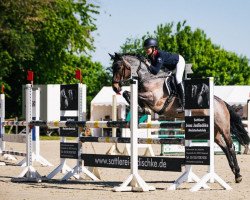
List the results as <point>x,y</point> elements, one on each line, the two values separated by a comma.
<point>36,131</point>
<point>29,173</point>
<point>248,121</point>
<point>134,182</point>
<point>2,117</point>
<point>113,150</point>
<point>248,115</point>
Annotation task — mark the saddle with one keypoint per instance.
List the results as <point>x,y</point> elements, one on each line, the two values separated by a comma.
<point>170,82</point>
<point>170,85</point>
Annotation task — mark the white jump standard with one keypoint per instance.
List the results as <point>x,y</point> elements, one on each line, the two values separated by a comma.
<point>21,138</point>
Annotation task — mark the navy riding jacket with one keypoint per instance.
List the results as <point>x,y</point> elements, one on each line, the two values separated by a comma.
<point>163,60</point>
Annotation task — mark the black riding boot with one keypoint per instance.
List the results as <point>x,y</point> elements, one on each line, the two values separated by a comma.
<point>181,93</point>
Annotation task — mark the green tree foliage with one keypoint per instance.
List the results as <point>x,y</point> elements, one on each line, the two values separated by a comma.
<point>208,59</point>
<point>50,37</point>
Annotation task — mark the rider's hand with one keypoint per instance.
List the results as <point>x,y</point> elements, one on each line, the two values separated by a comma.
<point>147,63</point>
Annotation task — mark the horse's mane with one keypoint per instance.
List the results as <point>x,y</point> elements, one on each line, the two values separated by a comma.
<point>138,56</point>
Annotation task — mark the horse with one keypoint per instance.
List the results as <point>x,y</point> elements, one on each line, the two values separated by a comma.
<point>153,96</point>
<point>67,98</point>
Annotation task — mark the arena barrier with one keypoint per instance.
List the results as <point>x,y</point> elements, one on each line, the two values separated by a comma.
<point>21,138</point>
<point>134,182</point>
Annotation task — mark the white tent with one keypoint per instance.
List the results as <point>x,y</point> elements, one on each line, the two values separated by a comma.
<point>233,94</point>
<point>101,106</point>
<point>238,95</point>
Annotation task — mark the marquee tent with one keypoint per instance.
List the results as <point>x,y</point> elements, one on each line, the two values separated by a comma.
<point>101,106</point>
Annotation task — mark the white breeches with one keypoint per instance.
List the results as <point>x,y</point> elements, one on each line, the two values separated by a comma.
<point>180,67</point>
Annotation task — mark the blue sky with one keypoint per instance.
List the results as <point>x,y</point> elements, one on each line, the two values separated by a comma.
<point>226,22</point>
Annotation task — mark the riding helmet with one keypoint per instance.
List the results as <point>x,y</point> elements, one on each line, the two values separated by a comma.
<point>150,42</point>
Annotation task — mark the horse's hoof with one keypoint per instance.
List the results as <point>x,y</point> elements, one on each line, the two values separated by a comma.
<point>238,179</point>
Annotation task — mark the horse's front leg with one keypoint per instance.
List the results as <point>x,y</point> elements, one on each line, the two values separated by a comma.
<point>145,97</point>
<point>126,96</point>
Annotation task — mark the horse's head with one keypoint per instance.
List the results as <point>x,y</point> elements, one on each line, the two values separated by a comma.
<point>122,65</point>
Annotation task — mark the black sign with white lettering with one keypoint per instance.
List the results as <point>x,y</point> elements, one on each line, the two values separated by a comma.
<point>69,97</point>
<point>69,150</point>
<point>69,131</point>
<point>197,94</point>
<point>197,155</point>
<point>197,127</point>
<point>123,162</point>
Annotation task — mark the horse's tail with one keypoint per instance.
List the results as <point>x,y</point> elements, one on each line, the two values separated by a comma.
<point>237,127</point>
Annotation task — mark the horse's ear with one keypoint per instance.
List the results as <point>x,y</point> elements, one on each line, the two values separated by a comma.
<point>112,56</point>
<point>117,56</point>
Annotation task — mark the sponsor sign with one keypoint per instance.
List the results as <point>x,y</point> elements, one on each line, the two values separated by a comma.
<point>69,150</point>
<point>197,155</point>
<point>197,127</point>
<point>123,162</point>
<point>69,131</point>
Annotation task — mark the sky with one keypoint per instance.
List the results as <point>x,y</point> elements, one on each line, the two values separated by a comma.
<point>226,22</point>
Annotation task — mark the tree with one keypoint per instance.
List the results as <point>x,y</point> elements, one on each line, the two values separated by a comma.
<point>50,37</point>
<point>208,59</point>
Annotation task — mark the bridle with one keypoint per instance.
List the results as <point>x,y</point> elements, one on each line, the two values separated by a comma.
<point>127,66</point>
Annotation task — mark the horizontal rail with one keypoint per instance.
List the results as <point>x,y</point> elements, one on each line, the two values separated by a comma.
<point>171,125</point>
<point>127,140</point>
<point>15,153</point>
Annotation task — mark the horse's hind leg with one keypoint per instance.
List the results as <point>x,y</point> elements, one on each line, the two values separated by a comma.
<point>238,177</point>
<point>222,145</point>
<point>229,142</point>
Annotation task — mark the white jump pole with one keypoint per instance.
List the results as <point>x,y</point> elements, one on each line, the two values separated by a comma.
<point>36,130</point>
<point>248,116</point>
<point>29,173</point>
<point>2,116</point>
<point>134,182</point>
<point>114,113</point>
<point>149,150</point>
<point>113,150</point>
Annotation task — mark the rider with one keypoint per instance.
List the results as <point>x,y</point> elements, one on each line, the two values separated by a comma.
<point>165,60</point>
